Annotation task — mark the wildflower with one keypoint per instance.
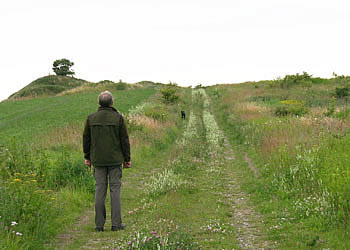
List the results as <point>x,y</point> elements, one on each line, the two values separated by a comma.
<point>19,234</point>
<point>17,180</point>
<point>13,223</point>
<point>53,198</point>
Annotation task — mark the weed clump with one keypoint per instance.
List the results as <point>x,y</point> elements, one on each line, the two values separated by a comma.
<point>290,107</point>
<point>163,182</point>
<point>170,239</point>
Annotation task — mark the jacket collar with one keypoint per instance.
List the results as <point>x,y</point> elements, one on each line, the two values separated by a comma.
<point>107,108</point>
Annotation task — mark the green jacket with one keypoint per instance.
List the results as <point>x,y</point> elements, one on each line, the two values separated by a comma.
<point>105,138</point>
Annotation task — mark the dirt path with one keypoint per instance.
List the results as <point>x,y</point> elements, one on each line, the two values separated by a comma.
<point>248,223</point>
<point>63,240</point>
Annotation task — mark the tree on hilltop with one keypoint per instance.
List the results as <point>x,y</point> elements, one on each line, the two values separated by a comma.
<point>62,67</point>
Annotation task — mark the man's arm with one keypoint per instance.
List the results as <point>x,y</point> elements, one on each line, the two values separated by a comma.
<point>124,141</point>
<point>87,141</point>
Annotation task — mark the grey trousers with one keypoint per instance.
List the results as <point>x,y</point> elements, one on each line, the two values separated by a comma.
<point>103,175</point>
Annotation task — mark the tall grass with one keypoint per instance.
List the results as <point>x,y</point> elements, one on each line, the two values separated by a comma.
<point>302,158</point>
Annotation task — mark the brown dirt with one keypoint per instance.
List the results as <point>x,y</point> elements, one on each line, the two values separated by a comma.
<point>251,165</point>
<point>246,220</point>
<point>63,240</point>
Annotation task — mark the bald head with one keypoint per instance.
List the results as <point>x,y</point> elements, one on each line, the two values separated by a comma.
<point>105,99</point>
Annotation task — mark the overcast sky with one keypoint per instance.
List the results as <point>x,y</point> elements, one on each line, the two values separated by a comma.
<point>185,41</point>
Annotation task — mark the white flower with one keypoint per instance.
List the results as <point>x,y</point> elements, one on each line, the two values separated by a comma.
<point>13,223</point>
<point>19,234</point>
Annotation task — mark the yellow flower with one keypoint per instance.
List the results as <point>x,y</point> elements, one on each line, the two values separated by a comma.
<point>53,198</point>
<point>292,102</point>
<point>17,180</point>
<point>17,173</point>
<point>43,175</point>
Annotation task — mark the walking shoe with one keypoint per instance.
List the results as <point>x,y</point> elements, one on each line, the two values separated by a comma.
<point>121,227</point>
<point>99,229</point>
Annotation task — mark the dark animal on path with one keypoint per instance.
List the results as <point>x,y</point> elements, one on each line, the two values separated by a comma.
<point>183,114</point>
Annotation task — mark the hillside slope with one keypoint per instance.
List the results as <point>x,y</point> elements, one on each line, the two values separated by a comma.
<point>48,86</point>
<point>44,184</point>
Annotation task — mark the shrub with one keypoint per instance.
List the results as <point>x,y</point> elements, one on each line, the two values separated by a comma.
<point>121,86</point>
<point>342,92</point>
<point>291,80</point>
<point>291,107</point>
<point>169,94</point>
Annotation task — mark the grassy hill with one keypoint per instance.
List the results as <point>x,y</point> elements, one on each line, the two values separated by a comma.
<point>40,163</point>
<point>53,85</point>
<point>48,86</point>
<point>254,165</point>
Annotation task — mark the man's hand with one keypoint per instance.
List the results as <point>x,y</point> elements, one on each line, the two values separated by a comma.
<point>127,164</point>
<point>88,163</point>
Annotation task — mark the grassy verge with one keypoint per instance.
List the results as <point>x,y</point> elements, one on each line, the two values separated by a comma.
<point>302,185</point>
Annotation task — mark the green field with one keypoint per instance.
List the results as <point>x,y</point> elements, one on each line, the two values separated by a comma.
<point>257,165</point>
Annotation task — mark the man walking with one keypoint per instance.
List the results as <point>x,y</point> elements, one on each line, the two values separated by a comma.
<point>107,147</point>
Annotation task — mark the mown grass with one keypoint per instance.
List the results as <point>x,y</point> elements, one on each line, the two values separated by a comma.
<point>302,188</point>
<point>44,185</point>
<point>28,118</point>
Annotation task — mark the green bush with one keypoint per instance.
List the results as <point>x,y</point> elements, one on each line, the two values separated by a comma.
<point>342,92</point>
<point>121,86</point>
<point>291,80</point>
<point>290,107</point>
<point>169,94</point>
